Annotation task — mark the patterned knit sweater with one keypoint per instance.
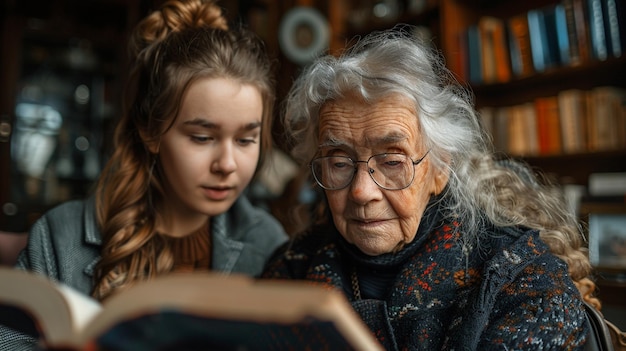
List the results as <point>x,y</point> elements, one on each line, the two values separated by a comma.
<point>508,293</point>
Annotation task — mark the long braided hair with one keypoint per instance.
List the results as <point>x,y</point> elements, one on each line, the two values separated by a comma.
<point>172,47</point>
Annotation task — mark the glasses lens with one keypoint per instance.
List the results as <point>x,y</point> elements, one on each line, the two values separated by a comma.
<point>392,171</point>
<point>333,172</point>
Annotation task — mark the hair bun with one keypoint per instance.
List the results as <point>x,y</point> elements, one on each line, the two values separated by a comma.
<point>175,16</point>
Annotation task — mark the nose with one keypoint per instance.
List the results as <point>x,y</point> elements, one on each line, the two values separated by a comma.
<point>363,189</point>
<point>225,160</point>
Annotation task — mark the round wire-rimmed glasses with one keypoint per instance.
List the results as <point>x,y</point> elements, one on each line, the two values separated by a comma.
<point>390,171</point>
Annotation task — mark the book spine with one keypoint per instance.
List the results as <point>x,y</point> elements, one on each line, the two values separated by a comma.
<point>596,30</point>
<point>612,27</point>
<point>486,30</point>
<point>548,125</point>
<point>571,111</point>
<point>538,45</point>
<point>519,46</point>
<point>550,37</point>
<point>562,36</point>
<point>501,52</point>
<point>582,29</point>
<point>474,55</point>
<point>574,53</point>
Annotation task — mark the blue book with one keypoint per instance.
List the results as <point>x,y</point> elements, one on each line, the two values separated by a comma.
<point>538,39</point>
<point>599,48</point>
<point>550,36</point>
<point>474,56</point>
<point>614,26</point>
<point>562,36</point>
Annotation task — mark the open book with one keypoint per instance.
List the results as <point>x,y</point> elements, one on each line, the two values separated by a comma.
<point>191,311</point>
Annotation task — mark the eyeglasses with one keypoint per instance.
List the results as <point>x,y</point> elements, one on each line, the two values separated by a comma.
<point>391,171</point>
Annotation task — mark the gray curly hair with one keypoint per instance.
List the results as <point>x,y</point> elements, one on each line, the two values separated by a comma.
<point>481,190</point>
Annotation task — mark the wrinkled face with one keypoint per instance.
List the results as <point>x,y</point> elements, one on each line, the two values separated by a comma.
<point>210,154</point>
<point>376,220</point>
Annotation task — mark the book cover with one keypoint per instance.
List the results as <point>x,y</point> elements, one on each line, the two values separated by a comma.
<point>188,311</point>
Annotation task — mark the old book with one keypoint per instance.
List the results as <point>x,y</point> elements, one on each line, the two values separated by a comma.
<point>191,311</point>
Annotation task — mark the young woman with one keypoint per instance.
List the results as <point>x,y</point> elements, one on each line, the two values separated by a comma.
<point>195,126</point>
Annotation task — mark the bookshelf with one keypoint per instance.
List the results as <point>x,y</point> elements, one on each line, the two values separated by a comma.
<point>448,22</point>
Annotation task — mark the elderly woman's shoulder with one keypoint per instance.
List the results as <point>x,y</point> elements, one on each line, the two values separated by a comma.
<point>515,244</point>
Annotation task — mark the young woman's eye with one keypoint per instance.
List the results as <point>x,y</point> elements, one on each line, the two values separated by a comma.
<point>247,141</point>
<point>201,138</point>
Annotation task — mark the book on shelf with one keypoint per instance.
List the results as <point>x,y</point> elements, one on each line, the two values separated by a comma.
<point>548,125</point>
<point>614,26</point>
<point>496,66</point>
<point>538,39</point>
<point>606,118</point>
<point>474,55</point>
<point>199,311</point>
<point>576,27</point>
<point>520,52</point>
<point>549,40</point>
<point>572,111</point>
<point>522,132</point>
<point>607,184</point>
<point>597,34</point>
<point>501,129</point>
<point>560,35</point>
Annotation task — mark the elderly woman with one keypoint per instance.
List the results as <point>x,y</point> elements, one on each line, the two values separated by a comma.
<point>436,244</point>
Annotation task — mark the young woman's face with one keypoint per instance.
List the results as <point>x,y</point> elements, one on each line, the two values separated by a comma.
<point>211,152</point>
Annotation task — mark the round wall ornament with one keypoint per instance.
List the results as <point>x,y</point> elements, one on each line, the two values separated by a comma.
<point>303,34</point>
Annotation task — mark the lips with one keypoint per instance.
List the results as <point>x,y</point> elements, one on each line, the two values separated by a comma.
<point>217,193</point>
<point>368,222</point>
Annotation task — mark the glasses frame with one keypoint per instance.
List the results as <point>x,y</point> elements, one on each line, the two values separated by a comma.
<point>369,170</point>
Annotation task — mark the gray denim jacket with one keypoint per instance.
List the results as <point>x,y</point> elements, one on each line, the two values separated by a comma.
<point>64,244</point>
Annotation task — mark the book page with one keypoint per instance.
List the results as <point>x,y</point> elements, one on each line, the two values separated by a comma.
<point>82,308</point>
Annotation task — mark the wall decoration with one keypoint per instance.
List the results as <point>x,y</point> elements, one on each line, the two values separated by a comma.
<point>303,34</point>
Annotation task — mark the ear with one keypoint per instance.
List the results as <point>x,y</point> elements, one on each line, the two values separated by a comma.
<point>440,180</point>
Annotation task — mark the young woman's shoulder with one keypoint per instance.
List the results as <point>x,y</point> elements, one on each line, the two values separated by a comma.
<point>63,243</point>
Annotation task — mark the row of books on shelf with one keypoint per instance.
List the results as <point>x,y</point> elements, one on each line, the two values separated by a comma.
<point>567,33</point>
<point>574,121</point>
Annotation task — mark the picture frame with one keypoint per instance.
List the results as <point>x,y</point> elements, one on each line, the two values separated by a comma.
<point>607,240</point>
